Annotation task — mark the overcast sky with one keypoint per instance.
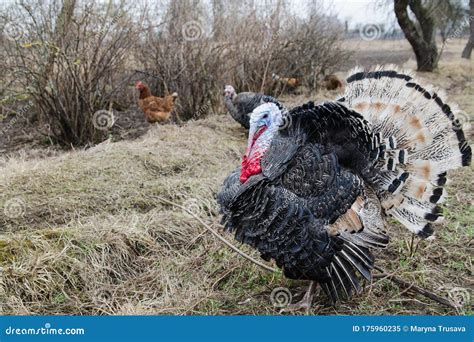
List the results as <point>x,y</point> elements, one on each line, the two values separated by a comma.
<point>362,11</point>
<point>354,11</point>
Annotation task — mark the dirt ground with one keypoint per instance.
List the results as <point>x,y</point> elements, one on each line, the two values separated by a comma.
<point>86,231</point>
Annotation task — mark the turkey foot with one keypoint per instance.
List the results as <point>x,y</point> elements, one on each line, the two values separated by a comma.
<point>305,302</point>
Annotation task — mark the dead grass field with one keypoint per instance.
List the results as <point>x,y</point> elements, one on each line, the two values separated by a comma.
<point>83,232</point>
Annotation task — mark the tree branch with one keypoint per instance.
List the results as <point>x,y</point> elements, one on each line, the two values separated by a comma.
<point>217,235</point>
<point>413,287</point>
<point>424,18</point>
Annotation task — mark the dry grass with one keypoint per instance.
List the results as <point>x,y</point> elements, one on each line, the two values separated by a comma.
<point>91,237</point>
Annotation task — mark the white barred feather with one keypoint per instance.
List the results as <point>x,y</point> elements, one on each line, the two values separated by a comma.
<point>418,138</point>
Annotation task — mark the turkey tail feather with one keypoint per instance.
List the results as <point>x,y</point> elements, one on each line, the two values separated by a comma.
<point>419,140</point>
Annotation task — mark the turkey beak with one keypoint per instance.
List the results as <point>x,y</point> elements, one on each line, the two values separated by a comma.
<point>250,141</point>
<point>254,134</point>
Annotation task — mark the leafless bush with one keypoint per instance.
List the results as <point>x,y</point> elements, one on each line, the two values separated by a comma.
<point>179,54</point>
<point>282,44</point>
<point>69,58</point>
<point>76,59</point>
<point>191,69</point>
<point>196,56</point>
<point>188,67</point>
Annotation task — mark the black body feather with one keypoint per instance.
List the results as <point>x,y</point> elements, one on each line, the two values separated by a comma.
<point>307,183</point>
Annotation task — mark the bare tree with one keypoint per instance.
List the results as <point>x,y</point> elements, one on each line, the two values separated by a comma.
<point>421,34</point>
<point>466,53</point>
<point>453,14</point>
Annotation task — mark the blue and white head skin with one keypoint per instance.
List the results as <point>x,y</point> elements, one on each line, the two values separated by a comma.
<point>265,122</point>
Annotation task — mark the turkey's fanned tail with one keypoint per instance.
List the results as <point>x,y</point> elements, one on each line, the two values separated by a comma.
<point>419,140</point>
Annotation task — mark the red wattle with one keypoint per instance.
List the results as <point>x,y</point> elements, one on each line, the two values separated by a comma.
<point>250,167</point>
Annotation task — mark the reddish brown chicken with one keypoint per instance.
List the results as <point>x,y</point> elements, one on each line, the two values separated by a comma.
<point>289,82</point>
<point>156,109</point>
<point>333,82</point>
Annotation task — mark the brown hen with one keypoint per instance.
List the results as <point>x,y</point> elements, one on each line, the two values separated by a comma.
<point>156,109</point>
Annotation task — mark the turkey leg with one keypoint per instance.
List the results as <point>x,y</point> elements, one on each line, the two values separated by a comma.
<point>305,302</point>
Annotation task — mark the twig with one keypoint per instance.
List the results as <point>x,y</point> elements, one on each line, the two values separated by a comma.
<point>223,277</point>
<point>415,288</point>
<point>411,245</point>
<point>146,73</point>
<point>417,244</point>
<point>414,300</point>
<point>217,235</point>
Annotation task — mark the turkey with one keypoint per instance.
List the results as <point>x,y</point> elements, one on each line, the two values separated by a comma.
<point>241,105</point>
<point>317,182</point>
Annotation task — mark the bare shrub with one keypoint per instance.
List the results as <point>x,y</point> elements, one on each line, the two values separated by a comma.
<point>187,67</point>
<point>244,46</point>
<point>180,55</point>
<point>192,70</point>
<point>70,61</point>
<point>76,59</point>
<point>314,50</point>
<point>282,44</point>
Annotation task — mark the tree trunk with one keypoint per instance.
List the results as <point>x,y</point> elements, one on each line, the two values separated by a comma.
<point>466,53</point>
<point>421,39</point>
